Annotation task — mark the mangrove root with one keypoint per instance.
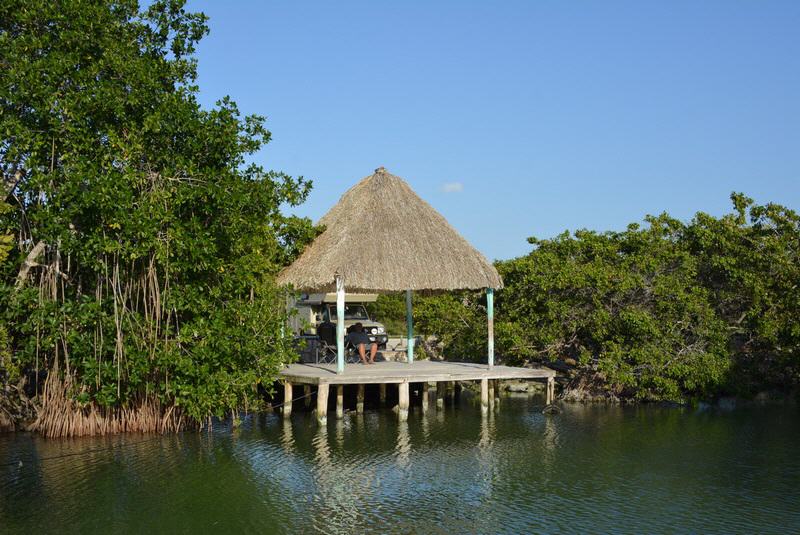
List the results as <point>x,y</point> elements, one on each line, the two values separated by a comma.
<point>61,416</point>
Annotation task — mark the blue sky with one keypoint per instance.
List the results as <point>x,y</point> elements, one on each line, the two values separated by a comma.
<point>519,119</point>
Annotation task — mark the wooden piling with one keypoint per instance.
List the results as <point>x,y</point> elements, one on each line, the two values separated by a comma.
<point>360,399</point>
<point>322,403</point>
<point>383,394</point>
<point>402,404</point>
<point>484,396</point>
<point>429,375</point>
<point>339,402</point>
<point>491,394</point>
<point>287,399</point>
<point>307,394</point>
<point>440,393</point>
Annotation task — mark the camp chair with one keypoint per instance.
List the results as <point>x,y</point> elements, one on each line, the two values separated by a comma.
<point>326,349</point>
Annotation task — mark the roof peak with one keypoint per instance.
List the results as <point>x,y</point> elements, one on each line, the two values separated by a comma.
<point>411,245</point>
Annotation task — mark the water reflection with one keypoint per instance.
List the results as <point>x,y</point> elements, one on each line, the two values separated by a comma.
<point>486,456</point>
<point>549,443</point>
<point>333,503</point>
<point>487,433</point>
<point>425,427</point>
<point>339,427</point>
<point>287,436</point>
<point>644,468</point>
<point>403,449</point>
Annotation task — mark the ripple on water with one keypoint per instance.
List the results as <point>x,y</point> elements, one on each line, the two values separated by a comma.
<point>589,469</point>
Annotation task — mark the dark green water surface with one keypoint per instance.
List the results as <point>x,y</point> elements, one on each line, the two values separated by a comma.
<point>590,469</point>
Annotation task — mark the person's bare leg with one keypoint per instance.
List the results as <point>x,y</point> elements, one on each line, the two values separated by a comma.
<point>373,350</point>
<point>362,353</point>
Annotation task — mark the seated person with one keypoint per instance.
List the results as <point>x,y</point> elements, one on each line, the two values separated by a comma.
<point>327,332</point>
<point>360,340</point>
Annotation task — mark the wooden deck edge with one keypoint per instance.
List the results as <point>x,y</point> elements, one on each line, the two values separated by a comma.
<point>413,378</point>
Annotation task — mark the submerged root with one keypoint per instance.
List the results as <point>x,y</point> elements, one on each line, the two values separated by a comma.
<point>60,416</point>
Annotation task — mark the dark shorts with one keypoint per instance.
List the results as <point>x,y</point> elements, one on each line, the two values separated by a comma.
<point>359,338</point>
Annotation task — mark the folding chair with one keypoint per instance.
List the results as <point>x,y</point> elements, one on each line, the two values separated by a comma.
<point>326,348</point>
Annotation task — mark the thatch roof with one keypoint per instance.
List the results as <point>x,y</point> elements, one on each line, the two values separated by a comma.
<point>382,237</point>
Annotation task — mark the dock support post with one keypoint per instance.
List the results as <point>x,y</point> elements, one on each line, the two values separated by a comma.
<point>360,399</point>
<point>490,320</point>
<point>410,325</point>
<point>287,399</point>
<point>551,390</point>
<point>497,393</point>
<point>339,402</point>
<point>425,396</point>
<point>440,392</point>
<point>451,391</point>
<point>484,396</point>
<point>491,394</point>
<point>402,403</point>
<point>307,394</point>
<point>382,388</point>
<point>322,404</point>
<point>339,324</point>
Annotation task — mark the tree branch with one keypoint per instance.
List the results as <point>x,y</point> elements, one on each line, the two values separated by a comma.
<point>10,182</point>
<point>30,262</point>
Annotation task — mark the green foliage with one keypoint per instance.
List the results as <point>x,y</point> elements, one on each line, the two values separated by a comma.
<point>664,311</point>
<point>161,240</point>
<point>390,309</point>
<point>625,303</point>
<point>6,240</point>
<point>750,263</point>
<point>8,369</point>
<point>457,320</point>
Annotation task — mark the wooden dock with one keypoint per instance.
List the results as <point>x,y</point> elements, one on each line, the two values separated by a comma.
<point>443,374</point>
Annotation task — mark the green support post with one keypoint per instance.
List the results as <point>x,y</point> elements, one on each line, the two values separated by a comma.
<point>490,316</point>
<point>410,323</point>
<point>339,325</point>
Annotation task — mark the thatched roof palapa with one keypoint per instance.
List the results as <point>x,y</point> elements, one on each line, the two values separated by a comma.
<point>382,237</point>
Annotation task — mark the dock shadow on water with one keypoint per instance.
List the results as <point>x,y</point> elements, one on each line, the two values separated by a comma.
<point>588,469</point>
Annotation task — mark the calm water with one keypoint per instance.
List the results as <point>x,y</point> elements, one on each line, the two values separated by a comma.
<point>589,469</point>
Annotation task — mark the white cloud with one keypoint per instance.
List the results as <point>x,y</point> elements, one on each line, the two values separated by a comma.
<point>452,187</point>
